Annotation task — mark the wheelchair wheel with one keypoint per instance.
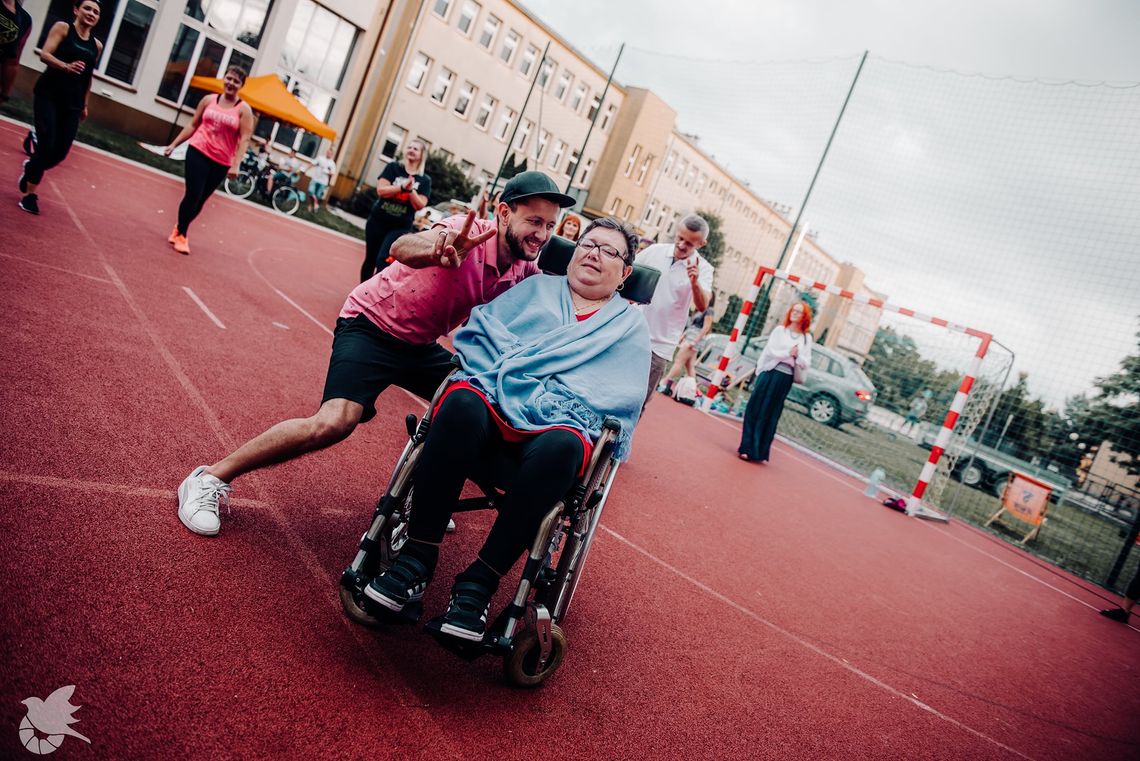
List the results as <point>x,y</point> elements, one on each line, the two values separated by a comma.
<point>286,200</point>
<point>240,186</point>
<point>352,609</point>
<point>522,665</point>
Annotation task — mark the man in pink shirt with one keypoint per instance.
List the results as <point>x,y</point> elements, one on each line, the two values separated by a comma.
<point>388,329</point>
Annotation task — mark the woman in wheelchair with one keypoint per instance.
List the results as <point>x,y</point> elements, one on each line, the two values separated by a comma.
<point>541,367</point>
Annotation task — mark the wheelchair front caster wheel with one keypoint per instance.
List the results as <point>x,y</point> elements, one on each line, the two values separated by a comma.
<point>352,609</point>
<point>523,666</point>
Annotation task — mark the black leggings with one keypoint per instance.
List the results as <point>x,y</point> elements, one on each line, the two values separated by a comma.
<point>464,442</point>
<point>56,127</point>
<point>203,176</point>
<point>379,234</point>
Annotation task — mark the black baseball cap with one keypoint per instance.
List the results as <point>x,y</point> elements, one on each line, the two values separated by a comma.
<point>529,184</point>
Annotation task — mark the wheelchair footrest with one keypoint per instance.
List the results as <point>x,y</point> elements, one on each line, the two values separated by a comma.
<point>465,649</point>
<point>409,615</point>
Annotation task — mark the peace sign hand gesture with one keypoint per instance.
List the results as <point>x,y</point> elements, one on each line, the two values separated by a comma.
<point>452,247</point>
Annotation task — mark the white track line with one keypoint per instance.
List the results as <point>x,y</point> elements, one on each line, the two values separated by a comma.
<point>57,269</point>
<point>201,305</point>
<point>809,645</point>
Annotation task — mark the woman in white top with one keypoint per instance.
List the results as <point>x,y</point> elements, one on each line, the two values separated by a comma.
<point>788,347</point>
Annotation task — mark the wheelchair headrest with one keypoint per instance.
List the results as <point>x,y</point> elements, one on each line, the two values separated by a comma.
<point>639,286</point>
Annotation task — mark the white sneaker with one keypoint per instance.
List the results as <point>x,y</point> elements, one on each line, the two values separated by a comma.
<point>450,525</point>
<point>198,498</point>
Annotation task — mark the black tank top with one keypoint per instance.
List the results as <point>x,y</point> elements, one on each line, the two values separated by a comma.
<point>67,89</point>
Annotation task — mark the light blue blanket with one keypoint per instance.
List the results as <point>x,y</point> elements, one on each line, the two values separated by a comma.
<point>541,367</point>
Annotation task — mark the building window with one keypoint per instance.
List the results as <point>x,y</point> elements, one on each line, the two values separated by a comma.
<point>467,167</point>
<point>633,156</point>
<point>540,150</point>
<point>586,173</point>
<point>661,216</point>
<point>506,119</point>
<point>615,207</point>
<point>314,59</point>
<point>629,212</point>
<point>572,164</point>
<point>490,32</point>
<point>681,167</point>
<point>563,85</point>
<point>522,135</point>
<point>242,20</point>
<point>649,209</point>
<point>530,57</point>
<point>608,117</point>
<point>467,17</point>
<point>673,223</point>
<point>126,39</point>
<point>643,171</point>
<point>318,46</point>
<point>465,99</point>
<point>669,163</point>
<point>691,176</point>
<point>393,142</point>
<point>417,74</point>
<point>210,39</point>
<point>486,108</point>
<point>579,98</point>
<point>595,104</point>
<point>557,155</point>
<point>443,82</point>
<point>545,73</point>
<point>441,8</point>
<point>510,45</point>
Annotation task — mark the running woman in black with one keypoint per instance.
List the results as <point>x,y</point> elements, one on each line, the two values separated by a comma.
<point>403,190</point>
<point>15,25</point>
<point>70,53</point>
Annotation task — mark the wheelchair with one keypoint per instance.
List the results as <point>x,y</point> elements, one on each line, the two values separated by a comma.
<point>527,634</point>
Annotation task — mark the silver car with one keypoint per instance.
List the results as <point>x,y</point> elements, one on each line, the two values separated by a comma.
<point>836,390</point>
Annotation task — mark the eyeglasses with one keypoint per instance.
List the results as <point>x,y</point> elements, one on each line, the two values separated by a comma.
<point>589,246</point>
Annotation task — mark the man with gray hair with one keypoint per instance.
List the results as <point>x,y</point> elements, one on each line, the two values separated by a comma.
<point>686,281</point>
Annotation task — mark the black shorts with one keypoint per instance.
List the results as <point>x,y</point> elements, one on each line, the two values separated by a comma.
<point>366,360</point>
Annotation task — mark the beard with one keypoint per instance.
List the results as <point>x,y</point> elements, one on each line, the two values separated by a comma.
<point>515,246</point>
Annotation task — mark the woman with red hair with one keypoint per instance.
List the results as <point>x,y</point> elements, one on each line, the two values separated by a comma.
<point>787,352</point>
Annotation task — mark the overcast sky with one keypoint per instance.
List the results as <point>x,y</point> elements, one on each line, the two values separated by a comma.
<point>967,179</point>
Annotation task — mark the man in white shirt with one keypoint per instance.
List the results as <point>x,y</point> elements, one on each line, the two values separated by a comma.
<point>686,281</point>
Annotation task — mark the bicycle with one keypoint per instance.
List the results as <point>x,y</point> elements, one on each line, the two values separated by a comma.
<point>284,198</point>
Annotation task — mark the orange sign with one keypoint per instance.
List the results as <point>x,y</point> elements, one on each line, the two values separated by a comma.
<point>1026,499</point>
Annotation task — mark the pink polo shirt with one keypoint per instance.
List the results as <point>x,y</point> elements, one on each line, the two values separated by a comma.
<point>420,305</point>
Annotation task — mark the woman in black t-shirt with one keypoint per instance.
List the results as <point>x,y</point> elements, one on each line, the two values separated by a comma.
<point>15,25</point>
<point>403,190</point>
<point>60,103</point>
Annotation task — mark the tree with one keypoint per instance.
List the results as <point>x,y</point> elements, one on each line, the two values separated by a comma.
<point>900,372</point>
<point>1115,413</point>
<point>713,250</point>
<point>447,179</point>
<point>510,169</point>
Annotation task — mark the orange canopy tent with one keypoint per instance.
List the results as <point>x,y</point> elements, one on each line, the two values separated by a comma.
<point>268,96</point>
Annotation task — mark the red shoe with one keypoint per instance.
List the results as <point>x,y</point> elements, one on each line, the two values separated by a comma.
<point>173,235</point>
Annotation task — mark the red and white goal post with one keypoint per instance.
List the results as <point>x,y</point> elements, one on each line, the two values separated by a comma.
<point>915,505</point>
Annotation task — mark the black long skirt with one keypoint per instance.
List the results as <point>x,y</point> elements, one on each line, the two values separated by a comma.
<point>763,413</point>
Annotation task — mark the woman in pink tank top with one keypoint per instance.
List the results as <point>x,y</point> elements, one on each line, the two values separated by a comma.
<point>218,136</point>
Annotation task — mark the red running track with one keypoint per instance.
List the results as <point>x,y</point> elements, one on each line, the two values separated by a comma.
<point>729,610</point>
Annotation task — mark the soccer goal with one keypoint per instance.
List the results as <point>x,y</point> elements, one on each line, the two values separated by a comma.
<point>935,382</point>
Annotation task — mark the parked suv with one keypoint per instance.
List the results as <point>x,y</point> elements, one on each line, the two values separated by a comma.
<point>836,390</point>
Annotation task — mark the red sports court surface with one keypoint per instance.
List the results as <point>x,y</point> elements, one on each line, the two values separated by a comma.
<point>728,611</point>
